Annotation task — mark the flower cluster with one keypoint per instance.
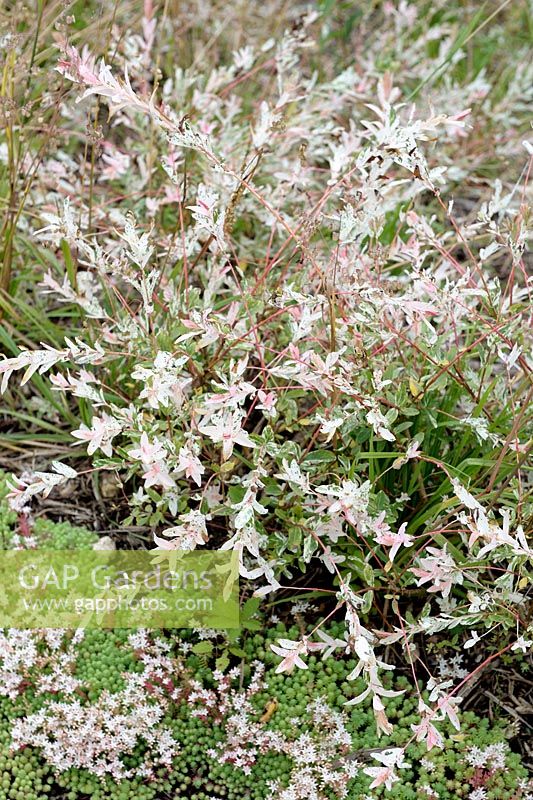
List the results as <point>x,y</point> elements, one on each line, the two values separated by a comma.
<point>149,715</point>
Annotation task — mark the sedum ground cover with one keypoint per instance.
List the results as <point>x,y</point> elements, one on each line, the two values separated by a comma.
<point>265,288</point>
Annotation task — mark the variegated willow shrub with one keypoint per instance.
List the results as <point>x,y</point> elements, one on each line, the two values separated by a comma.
<point>296,319</point>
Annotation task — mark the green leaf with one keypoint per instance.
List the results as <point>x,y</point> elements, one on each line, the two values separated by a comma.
<point>318,457</point>
<point>222,662</point>
<point>237,651</point>
<point>203,648</point>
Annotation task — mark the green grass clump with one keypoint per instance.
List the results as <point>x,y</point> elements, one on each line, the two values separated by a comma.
<point>8,518</point>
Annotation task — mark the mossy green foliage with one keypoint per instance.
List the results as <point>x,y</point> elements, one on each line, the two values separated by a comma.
<point>104,657</point>
<point>46,533</point>
<point>8,518</point>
